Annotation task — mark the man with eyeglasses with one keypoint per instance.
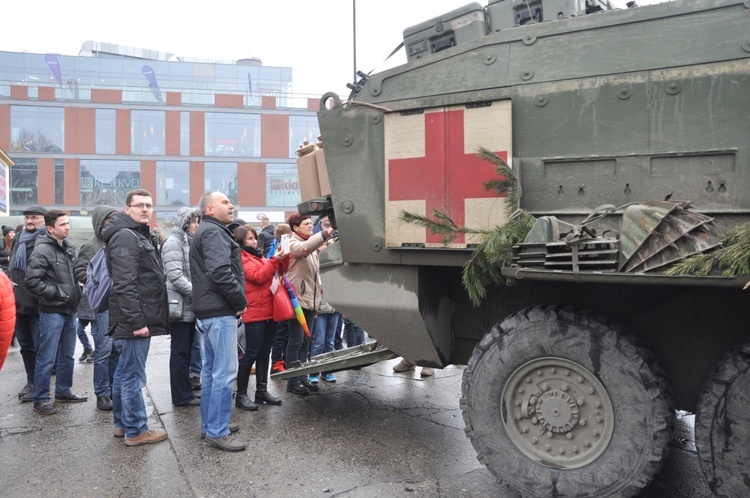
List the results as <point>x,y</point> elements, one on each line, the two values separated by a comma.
<point>27,306</point>
<point>137,311</point>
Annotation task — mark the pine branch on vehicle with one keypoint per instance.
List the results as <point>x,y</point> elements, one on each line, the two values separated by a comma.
<point>441,224</point>
<point>494,252</point>
<point>495,248</point>
<point>732,259</point>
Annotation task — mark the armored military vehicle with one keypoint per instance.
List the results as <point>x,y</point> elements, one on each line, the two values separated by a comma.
<point>628,133</point>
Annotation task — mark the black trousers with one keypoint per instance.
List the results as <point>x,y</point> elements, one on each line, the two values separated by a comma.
<point>182,334</point>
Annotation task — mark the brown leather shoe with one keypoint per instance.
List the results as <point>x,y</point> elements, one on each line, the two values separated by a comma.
<point>148,437</point>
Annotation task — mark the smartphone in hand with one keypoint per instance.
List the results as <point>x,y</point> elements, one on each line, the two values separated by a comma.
<point>285,242</point>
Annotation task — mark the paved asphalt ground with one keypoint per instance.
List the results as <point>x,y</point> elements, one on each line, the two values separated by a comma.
<point>371,434</point>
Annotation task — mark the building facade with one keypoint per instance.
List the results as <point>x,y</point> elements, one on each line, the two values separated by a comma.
<point>84,130</point>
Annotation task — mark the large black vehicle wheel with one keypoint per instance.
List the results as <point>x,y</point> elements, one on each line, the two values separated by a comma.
<point>559,403</point>
<point>722,425</point>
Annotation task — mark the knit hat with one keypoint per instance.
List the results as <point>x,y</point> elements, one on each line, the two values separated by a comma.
<point>6,230</point>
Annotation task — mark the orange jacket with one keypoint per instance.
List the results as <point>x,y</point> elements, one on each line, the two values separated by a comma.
<point>7,316</point>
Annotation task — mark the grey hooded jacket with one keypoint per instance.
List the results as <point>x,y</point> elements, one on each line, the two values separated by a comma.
<point>175,256</point>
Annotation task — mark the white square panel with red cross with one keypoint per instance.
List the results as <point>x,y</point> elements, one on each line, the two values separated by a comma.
<point>431,163</point>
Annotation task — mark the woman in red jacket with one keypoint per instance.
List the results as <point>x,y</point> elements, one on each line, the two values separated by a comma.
<point>260,329</point>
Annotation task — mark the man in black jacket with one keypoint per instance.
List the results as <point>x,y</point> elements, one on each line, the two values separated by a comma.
<point>265,236</point>
<point>137,311</point>
<point>27,307</point>
<point>218,298</point>
<point>50,277</point>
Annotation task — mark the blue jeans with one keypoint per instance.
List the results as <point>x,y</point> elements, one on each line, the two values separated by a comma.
<point>219,371</point>
<point>182,335</point>
<point>354,334</point>
<point>105,355</point>
<point>338,341</point>
<point>81,331</point>
<point>57,342</point>
<point>27,334</point>
<point>298,347</point>
<point>324,332</point>
<point>196,356</point>
<point>128,406</point>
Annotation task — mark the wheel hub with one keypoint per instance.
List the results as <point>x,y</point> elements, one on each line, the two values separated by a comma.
<point>558,413</point>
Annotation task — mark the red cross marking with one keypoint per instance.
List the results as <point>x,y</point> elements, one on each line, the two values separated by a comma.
<point>445,176</point>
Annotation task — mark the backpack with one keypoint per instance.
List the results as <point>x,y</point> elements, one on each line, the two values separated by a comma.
<point>98,281</point>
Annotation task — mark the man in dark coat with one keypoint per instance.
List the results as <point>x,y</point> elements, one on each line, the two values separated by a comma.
<point>265,236</point>
<point>50,277</point>
<point>137,311</point>
<point>218,299</point>
<point>27,307</point>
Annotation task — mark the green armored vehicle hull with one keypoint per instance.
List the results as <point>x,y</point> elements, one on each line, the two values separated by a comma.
<point>574,372</point>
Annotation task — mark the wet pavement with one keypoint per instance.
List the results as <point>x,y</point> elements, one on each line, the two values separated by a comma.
<point>373,433</point>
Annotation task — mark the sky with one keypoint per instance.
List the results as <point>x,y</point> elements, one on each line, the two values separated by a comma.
<point>315,39</point>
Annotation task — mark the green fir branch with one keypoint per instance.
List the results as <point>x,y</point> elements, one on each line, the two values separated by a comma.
<point>495,248</point>
<point>732,259</point>
<point>698,265</point>
<point>508,185</point>
<point>442,225</point>
<point>494,252</point>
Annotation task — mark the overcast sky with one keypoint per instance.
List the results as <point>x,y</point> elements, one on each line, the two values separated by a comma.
<point>313,38</point>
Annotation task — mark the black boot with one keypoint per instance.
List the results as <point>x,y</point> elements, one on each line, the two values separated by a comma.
<point>243,378</point>
<point>309,385</point>
<point>261,383</point>
<point>294,386</point>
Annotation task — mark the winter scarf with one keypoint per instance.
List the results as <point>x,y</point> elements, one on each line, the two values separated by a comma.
<point>19,258</point>
<point>253,250</point>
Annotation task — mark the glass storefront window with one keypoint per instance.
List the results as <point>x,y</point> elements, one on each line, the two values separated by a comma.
<point>23,182</point>
<point>105,131</point>
<point>172,183</point>
<point>282,185</point>
<point>232,134</point>
<point>222,177</point>
<point>108,182</point>
<point>147,132</point>
<point>146,82</point>
<point>302,128</point>
<point>37,129</point>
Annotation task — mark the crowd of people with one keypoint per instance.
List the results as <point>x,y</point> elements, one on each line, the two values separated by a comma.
<point>212,274</point>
